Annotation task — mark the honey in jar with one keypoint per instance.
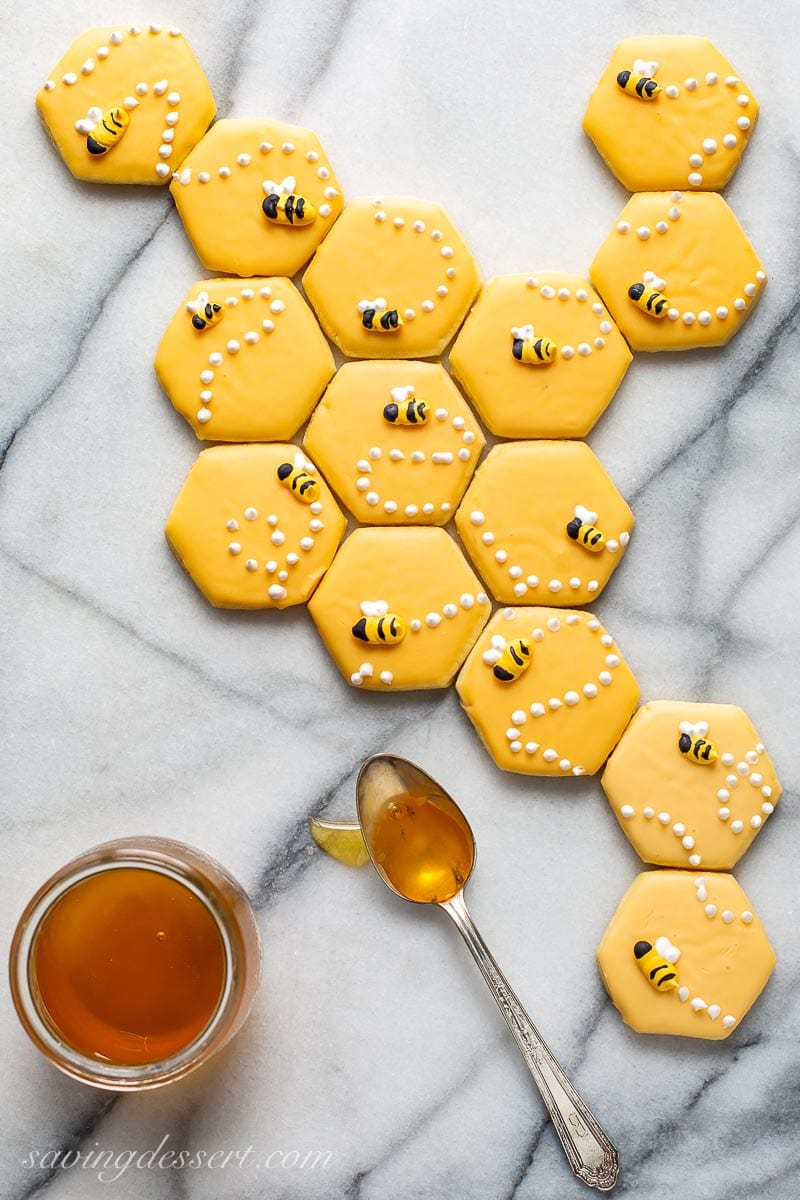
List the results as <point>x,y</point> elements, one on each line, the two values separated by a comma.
<point>129,965</point>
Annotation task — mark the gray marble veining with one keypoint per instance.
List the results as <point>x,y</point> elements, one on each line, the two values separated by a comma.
<point>130,706</point>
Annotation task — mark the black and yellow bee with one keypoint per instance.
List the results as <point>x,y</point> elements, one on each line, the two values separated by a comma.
<point>108,131</point>
<point>288,210</point>
<point>207,313</point>
<point>654,303</point>
<point>694,745</point>
<point>386,630</point>
<point>513,661</point>
<point>582,530</point>
<point>660,973</point>
<point>299,481</point>
<point>377,320</point>
<point>527,348</point>
<point>644,87</point>
<point>406,410</point>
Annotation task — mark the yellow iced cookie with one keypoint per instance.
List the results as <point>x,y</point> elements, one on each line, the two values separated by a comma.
<point>257,197</point>
<point>256,526</point>
<point>399,608</point>
<point>696,934</point>
<point>556,381</point>
<point>394,279</point>
<point>244,363</point>
<point>693,126</point>
<point>691,783</point>
<point>542,520</point>
<point>548,691</point>
<point>678,271</point>
<point>396,440</point>
<point>126,105</point>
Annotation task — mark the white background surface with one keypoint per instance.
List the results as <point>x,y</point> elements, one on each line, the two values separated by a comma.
<point>130,706</point>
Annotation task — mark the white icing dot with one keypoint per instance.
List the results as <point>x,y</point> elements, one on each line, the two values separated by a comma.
<point>554,585</point>
<point>743,122</point>
<point>688,842</point>
<point>710,146</point>
<point>671,91</point>
<point>747,917</point>
<point>736,826</point>
<point>740,304</point>
<point>571,698</point>
<point>674,213</point>
<point>235,547</point>
<point>323,173</point>
<point>743,769</point>
<point>728,1021</point>
<point>711,78</point>
<point>487,538</point>
<point>233,347</point>
<point>501,555</point>
<point>372,499</point>
<point>265,147</point>
<point>411,510</point>
<point>467,600</point>
<point>427,306</point>
<point>695,160</point>
<point>537,710</point>
<point>689,318</point>
<point>224,172</point>
<point>206,376</point>
<point>756,821</point>
<point>743,100</point>
<point>432,620</point>
<point>268,326</point>
<point>767,808</point>
<point>548,292</point>
<point>553,624</point>
<point>756,779</point>
<point>277,538</point>
<point>243,159</point>
<point>203,415</point>
<point>695,860</point>
<point>437,235</point>
<point>661,226</point>
<point>174,98</point>
<point>678,829</point>
<point>288,147</point>
<point>563,293</point>
<point>648,813</point>
<point>446,251</point>
<point>691,84</point>
<point>277,306</point>
<point>589,690</point>
<point>710,910</point>
<point>379,216</point>
<point>695,178</point>
<point>605,327</point>
<point>730,141</point>
<point>398,222</point>
<point>723,813</point>
<point>567,351</point>
<point>727,759</point>
<point>750,289</point>
<point>704,318</point>
<point>643,233</point>
<point>276,592</point>
<point>533,581</point>
<point>623,227</point>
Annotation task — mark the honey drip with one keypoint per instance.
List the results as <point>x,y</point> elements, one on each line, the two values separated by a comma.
<point>129,966</point>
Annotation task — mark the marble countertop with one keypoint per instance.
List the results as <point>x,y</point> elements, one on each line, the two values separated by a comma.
<point>130,706</point>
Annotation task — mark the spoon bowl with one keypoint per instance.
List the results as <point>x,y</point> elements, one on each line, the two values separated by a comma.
<point>423,848</point>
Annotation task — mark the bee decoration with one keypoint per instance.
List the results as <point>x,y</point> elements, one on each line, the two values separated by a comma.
<point>694,745</point>
<point>377,317</point>
<point>298,479</point>
<point>204,312</point>
<point>405,409</point>
<point>582,530</point>
<point>378,626</point>
<point>649,299</point>
<point>657,963</point>
<point>640,81</point>
<point>282,205</point>
<point>508,660</point>
<point>527,348</point>
<point>104,130</point>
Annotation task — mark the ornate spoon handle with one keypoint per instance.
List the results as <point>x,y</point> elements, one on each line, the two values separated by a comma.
<point>591,1154</point>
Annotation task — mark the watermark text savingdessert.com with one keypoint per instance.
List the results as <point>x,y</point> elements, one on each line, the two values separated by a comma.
<point>109,1165</point>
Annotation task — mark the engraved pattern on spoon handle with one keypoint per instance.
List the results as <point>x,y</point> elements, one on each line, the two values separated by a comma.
<point>591,1154</point>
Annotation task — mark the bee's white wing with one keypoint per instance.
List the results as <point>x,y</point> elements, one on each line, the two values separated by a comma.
<point>643,66</point>
<point>288,185</point>
<point>374,608</point>
<point>523,331</point>
<point>585,515</point>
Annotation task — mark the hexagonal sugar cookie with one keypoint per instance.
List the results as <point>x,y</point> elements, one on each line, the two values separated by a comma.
<point>670,112</point>
<point>244,363</point>
<point>544,521</point>
<point>257,197</point>
<point>394,280</point>
<point>399,608</point>
<point>397,441</point>
<point>685,954</point>
<point>558,390</point>
<point>126,105</point>
<point>677,271</point>
<point>256,526</point>
<point>548,691</point>
<point>691,783</point>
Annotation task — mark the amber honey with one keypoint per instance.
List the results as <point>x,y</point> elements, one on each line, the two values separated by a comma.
<point>423,846</point>
<point>129,965</point>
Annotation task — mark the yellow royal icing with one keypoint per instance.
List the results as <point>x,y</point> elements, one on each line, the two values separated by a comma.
<point>679,813</point>
<point>513,522</point>
<point>393,474</point>
<point>222,184</point>
<point>253,375</point>
<point>246,541</point>
<point>566,711</point>
<point>421,576</point>
<point>690,248</point>
<point>151,73</point>
<point>566,396</point>
<point>723,960</point>
<point>407,255</point>
<point>691,135</point>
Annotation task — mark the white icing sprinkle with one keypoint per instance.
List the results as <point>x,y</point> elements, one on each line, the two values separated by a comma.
<point>743,123</point>
<point>643,233</point>
<point>432,620</point>
<point>710,146</point>
<point>477,517</point>
<point>728,1021</point>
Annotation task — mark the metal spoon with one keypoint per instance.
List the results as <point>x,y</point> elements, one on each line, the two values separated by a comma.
<point>423,848</point>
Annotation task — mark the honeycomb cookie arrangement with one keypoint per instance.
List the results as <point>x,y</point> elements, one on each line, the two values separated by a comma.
<point>445,531</point>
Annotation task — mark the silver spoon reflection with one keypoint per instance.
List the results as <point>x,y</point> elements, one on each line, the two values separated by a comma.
<point>423,848</point>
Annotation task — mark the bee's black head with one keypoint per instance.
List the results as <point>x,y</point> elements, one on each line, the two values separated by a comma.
<point>641,948</point>
<point>284,471</point>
